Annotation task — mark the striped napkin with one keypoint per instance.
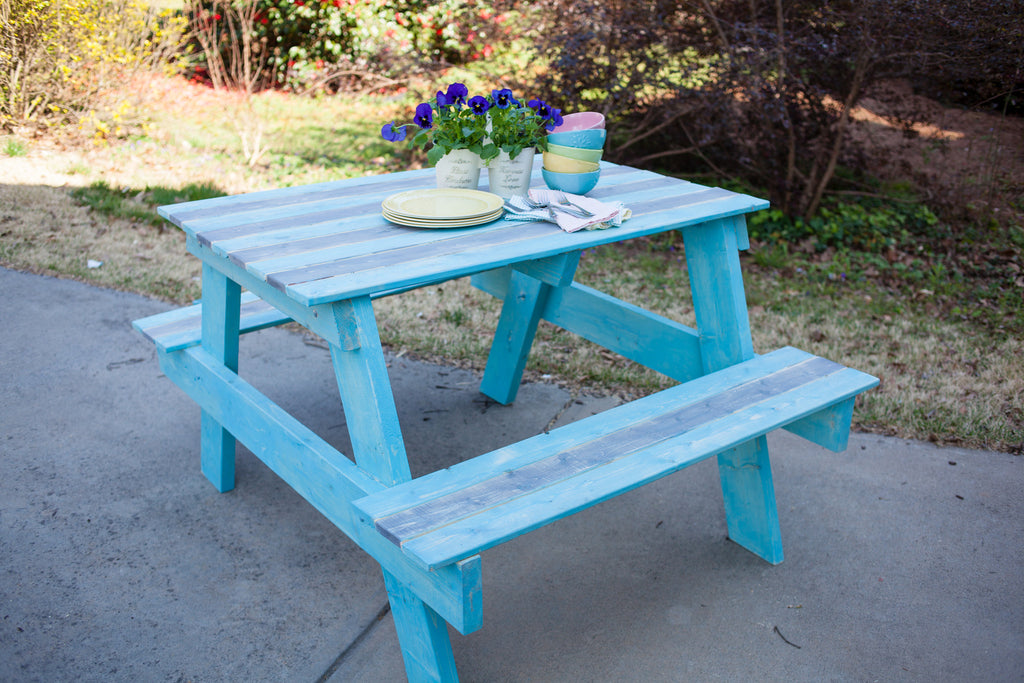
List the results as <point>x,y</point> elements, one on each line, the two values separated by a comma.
<point>606,214</point>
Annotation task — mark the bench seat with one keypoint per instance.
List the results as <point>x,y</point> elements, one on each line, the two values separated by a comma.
<point>182,327</point>
<point>458,512</point>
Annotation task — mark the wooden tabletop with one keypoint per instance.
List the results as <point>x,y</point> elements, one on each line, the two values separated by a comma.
<point>328,242</point>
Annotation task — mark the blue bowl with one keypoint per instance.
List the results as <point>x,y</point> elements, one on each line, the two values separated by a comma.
<point>573,183</point>
<point>584,139</point>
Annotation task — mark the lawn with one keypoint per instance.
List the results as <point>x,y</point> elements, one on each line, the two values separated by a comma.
<point>949,374</point>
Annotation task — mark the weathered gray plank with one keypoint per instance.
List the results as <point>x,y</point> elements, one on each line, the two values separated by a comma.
<point>603,448</point>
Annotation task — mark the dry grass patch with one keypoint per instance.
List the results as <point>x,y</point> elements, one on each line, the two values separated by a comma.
<point>938,382</point>
<point>43,231</point>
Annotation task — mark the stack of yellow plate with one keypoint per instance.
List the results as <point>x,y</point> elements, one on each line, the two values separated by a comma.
<point>442,207</point>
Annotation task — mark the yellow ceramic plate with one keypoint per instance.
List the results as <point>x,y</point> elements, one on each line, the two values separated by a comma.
<point>443,223</point>
<point>442,203</point>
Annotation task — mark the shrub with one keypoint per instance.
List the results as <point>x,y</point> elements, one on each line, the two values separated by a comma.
<point>61,59</point>
<point>869,225</point>
<point>447,31</point>
<point>257,44</point>
<point>758,90</point>
<point>313,44</point>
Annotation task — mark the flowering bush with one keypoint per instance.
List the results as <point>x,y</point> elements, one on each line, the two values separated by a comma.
<point>484,125</point>
<point>276,43</point>
<point>447,31</point>
<point>61,59</point>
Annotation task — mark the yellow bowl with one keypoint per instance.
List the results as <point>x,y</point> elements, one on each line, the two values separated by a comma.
<point>559,164</point>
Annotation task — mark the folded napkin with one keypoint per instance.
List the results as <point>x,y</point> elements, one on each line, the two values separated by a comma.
<point>606,214</point>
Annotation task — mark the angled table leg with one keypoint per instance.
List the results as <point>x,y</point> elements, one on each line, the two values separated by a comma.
<point>716,281</point>
<point>220,321</point>
<point>378,448</point>
<point>527,294</point>
<point>365,390</point>
<point>423,635</point>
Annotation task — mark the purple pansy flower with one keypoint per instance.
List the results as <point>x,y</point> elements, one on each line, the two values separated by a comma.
<point>554,119</point>
<point>424,116</point>
<point>541,107</point>
<point>503,98</point>
<point>455,95</point>
<point>392,134</point>
<point>479,105</point>
<point>458,92</point>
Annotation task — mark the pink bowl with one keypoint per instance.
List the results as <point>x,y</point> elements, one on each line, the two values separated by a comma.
<point>584,120</point>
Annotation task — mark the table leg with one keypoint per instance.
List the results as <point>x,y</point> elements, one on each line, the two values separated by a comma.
<point>520,315</point>
<point>378,448</point>
<point>366,397</point>
<point>220,321</point>
<point>716,282</point>
<point>422,634</point>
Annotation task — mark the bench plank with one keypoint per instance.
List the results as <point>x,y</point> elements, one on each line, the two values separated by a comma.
<point>472,506</point>
<point>182,327</point>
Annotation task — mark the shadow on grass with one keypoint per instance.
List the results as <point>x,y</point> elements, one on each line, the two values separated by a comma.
<point>140,204</point>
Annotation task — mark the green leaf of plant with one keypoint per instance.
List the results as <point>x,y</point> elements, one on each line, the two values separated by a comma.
<point>435,153</point>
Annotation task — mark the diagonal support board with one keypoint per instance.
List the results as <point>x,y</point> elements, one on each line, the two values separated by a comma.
<point>321,475</point>
<point>643,337</point>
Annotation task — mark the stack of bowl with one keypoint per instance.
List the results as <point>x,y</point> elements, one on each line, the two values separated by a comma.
<point>572,161</point>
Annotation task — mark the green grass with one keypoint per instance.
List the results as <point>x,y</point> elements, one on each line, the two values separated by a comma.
<point>13,147</point>
<point>301,139</point>
<point>136,204</point>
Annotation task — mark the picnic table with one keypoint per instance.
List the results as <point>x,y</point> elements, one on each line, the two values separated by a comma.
<point>321,254</point>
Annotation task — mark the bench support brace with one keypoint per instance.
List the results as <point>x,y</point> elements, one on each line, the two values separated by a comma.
<point>749,497</point>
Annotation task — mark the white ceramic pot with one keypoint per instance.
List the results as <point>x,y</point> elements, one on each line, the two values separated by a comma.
<point>458,168</point>
<point>511,177</point>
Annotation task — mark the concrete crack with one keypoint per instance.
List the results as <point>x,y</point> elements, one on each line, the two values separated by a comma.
<point>561,411</point>
<point>354,644</point>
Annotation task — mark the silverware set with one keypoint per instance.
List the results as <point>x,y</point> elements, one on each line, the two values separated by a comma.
<point>562,203</point>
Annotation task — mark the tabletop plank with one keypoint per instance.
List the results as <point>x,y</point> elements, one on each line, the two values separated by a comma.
<point>207,209</point>
<point>398,248</point>
<point>552,241</point>
<point>327,242</point>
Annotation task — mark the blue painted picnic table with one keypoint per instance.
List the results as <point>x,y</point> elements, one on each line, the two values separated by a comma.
<point>320,254</point>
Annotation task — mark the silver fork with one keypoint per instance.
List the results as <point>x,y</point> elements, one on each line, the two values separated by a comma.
<point>570,208</point>
<point>532,204</point>
<point>563,200</point>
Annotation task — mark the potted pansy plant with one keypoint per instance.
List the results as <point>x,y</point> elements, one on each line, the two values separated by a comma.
<point>517,131</point>
<point>454,126</point>
<point>462,132</point>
